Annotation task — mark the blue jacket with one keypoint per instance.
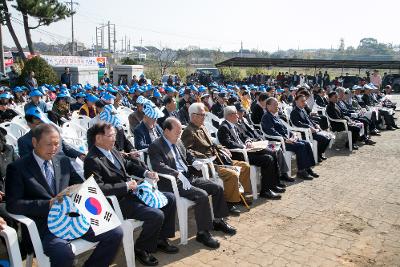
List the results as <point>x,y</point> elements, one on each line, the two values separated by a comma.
<point>272,125</point>
<point>142,136</point>
<point>25,147</point>
<point>299,118</point>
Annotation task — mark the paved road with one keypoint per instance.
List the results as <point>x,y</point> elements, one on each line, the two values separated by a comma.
<point>350,216</point>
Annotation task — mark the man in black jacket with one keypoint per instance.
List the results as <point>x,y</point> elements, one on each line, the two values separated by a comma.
<point>334,112</point>
<point>300,118</point>
<point>32,185</point>
<point>111,171</point>
<point>169,156</point>
<point>229,136</point>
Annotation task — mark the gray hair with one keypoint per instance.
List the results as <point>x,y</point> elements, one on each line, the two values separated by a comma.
<point>228,110</point>
<point>340,90</point>
<point>195,108</point>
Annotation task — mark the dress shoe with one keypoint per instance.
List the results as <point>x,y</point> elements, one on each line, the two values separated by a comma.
<point>390,128</point>
<point>145,258</point>
<point>278,189</point>
<point>233,210</point>
<point>304,175</point>
<point>285,177</point>
<point>356,147</point>
<point>369,142</point>
<point>375,132</point>
<point>269,194</point>
<point>223,226</point>
<point>207,239</point>
<point>323,157</point>
<point>164,246</point>
<point>395,126</point>
<point>281,185</point>
<point>312,173</point>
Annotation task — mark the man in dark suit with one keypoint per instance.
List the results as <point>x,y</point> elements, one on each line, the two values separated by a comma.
<point>169,110</point>
<point>169,156</point>
<point>229,136</point>
<point>148,130</point>
<point>35,117</point>
<point>249,132</point>
<point>32,185</point>
<point>334,112</point>
<point>320,98</point>
<point>258,109</point>
<point>111,171</point>
<point>300,118</point>
<point>271,125</point>
<point>218,108</point>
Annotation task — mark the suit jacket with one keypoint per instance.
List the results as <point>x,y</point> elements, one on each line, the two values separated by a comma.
<point>300,118</point>
<point>321,101</point>
<point>257,113</point>
<point>160,121</point>
<point>228,138</point>
<point>25,147</point>
<point>272,125</point>
<point>334,112</point>
<point>249,131</point>
<point>218,110</point>
<point>163,161</point>
<point>198,141</point>
<point>111,180</point>
<point>142,136</point>
<point>28,192</point>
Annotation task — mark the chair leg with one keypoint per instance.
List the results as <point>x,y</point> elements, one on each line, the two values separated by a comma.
<point>350,137</point>
<point>288,159</point>
<point>29,260</point>
<point>315,150</point>
<point>128,243</point>
<point>183,224</point>
<point>253,180</point>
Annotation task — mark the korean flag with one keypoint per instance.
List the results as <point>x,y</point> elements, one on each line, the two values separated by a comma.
<point>92,203</point>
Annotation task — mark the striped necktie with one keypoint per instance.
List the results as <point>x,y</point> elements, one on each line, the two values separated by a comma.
<point>49,176</point>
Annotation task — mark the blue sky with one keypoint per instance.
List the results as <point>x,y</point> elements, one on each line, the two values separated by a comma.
<point>264,25</point>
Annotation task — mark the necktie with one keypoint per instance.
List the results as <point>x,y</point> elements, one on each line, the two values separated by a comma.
<point>49,176</point>
<point>113,160</point>
<point>178,159</point>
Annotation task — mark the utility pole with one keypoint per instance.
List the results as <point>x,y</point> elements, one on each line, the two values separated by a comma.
<point>125,44</point>
<point>71,3</point>
<point>2,68</point>
<point>109,37</point>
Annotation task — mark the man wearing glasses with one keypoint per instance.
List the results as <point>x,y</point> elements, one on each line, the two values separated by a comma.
<point>197,139</point>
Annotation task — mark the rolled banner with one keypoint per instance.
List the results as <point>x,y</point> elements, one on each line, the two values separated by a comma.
<point>65,221</point>
<point>150,195</point>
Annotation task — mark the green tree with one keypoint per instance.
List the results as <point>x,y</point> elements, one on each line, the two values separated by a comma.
<point>45,11</point>
<point>44,73</point>
<point>128,61</point>
<point>5,18</point>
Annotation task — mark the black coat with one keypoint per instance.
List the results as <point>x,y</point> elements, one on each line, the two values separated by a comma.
<point>228,138</point>
<point>256,114</point>
<point>111,180</point>
<point>334,112</point>
<point>300,118</point>
<point>28,192</point>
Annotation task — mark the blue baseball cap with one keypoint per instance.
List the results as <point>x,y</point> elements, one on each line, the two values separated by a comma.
<point>35,93</point>
<point>34,111</point>
<point>91,98</point>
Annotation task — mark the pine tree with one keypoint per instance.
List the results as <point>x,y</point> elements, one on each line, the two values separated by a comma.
<point>45,11</point>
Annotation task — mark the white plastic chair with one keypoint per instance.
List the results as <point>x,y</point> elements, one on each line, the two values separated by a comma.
<point>11,238</point>
<point>128,226</point>
<point>20,119</point>
<point>78,246</point>
<point>210,117</point>
<point>81,120</point>
<point>346,130</point>
<point>14,128</point>
<point>80,131</point>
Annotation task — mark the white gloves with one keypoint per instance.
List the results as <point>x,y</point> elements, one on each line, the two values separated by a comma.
<point>185,182</point>
<point>197,164</point>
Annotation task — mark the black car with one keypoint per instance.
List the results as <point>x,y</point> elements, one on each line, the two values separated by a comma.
<point>392,80</point>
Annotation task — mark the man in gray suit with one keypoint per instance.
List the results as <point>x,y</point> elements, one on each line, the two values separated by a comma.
<point>169,156</point>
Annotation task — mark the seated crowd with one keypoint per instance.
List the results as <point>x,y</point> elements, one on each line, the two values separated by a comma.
<point>176,131</point>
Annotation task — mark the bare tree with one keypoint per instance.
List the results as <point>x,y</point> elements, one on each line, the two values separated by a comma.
<point>166,58</point>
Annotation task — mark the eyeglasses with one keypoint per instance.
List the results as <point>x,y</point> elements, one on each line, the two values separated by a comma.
<point>200,114</point>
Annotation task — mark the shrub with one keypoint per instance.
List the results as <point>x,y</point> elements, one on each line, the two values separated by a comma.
<point>44,73</point>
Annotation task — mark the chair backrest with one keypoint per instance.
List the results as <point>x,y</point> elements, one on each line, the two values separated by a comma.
<point>21,120</point>
<point>81,120</point>
<point>14,128</point>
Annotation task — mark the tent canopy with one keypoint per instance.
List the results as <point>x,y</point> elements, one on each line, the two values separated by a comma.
<point>309,63</point>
